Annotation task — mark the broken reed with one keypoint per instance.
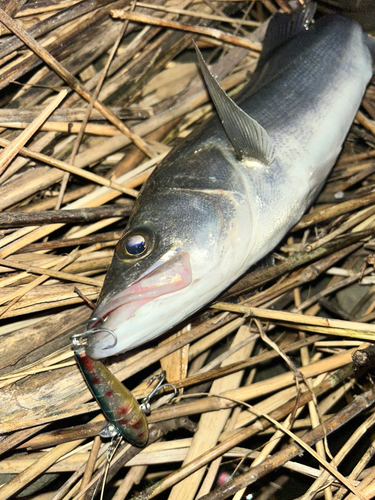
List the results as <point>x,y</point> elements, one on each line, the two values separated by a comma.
<point>32,257</point>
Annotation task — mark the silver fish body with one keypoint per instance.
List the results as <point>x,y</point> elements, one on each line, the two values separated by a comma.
<point>205,216</point>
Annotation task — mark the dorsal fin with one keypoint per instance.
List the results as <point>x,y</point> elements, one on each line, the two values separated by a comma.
<point>284,27</point>
<point>249,139</point>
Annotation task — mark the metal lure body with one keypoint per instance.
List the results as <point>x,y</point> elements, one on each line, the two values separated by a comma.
<point>226,196</point>
<point>117,403</point>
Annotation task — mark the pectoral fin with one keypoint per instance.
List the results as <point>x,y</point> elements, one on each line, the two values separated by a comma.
<point>249,139</point>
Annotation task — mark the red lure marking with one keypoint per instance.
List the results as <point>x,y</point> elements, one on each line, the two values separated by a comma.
<point>109,393</point>
<point>87,362</point>
<point>140,435</point>
<point>96,380</point>
<point>123,421</point>
<point>136,424</point>
<point>124,410</point>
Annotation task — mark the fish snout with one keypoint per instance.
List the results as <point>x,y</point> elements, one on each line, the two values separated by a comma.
<point>124,316</point>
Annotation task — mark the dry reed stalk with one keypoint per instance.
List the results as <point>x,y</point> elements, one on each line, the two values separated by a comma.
<point>53,273</point>
<point>44,300</point>
<point>13,148</point>
<point>67,127</point>
<point>201,15</point>
<point>38,281</point>
<point>232,441</point>
<point>156,453</point>
<point>344,328</point>
<point>292,450</point>
<point>211,424</point>
<point>368,124</point>
<point>90,463</point>
<point>36,362</point>
<point>219,35</point>
<point>347,159</point>
<point>326,213</point>
<point>175,364</point>
<point>34,470</point>
<point>214,467</point>
<point>337,459</point>
<point>316,416</point>
<point>19,219</point>
<point>71,81</point>
<point>29,235</point>
<point>134,476</point>
<point>358,469</point>
<point>73,170</point>
<point>68,115</point>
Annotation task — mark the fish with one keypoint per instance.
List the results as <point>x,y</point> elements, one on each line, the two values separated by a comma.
<point>227,195</point>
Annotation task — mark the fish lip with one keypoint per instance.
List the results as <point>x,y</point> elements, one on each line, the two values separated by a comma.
<point>168,277</point>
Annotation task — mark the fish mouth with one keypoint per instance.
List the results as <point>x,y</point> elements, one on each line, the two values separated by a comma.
<point>171,276</point>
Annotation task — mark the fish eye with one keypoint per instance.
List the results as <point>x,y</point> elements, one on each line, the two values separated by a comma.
<point>136,244</point>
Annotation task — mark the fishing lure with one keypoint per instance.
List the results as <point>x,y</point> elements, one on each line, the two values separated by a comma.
<point>126,417</point>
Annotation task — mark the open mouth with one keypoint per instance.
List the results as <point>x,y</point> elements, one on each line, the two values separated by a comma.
<point>171,276</point>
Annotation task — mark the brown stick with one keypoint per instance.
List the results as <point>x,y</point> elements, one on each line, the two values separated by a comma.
<point>50,202</point>
<point>79,215</point>
<point>68,115</point>
<point>355,158</point>
<point>90,465</point>
<point>67,127</point>
<point>354,179</point>
<point>363,120</point>
<point>51,273</point>
<point>213,33</point>
<point>241,365</point>
<point>327,213</point>
<point>349,328</point>
<point>200,14</point>
<point>73,242</point>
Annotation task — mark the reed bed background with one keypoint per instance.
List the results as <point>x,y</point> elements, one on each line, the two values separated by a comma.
<point>93,96</point>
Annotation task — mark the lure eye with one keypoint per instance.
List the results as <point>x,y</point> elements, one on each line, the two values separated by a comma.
<point>136,245</point>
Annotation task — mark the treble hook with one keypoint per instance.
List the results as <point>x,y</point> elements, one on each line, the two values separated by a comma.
<point>160,386</point>
<point>91,330</point>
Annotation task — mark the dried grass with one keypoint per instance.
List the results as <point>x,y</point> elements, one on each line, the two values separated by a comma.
<point>322,284</point>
